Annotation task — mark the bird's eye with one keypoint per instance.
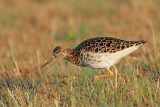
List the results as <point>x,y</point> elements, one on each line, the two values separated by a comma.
<point>56,52</point>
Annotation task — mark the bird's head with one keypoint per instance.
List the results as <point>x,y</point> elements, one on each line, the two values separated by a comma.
<point>59,52</point>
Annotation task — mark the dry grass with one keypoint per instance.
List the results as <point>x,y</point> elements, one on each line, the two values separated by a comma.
<point>30,29</point>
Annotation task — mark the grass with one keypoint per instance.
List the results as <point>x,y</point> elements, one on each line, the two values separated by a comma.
<point>31,29</point>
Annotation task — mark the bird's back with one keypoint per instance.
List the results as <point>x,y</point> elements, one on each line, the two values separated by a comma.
<point>106,45</point>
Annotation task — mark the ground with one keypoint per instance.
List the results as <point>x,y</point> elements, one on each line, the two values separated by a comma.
<point>30,29</point>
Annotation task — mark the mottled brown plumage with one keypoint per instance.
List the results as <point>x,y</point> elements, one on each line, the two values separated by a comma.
<point>106,45</point>
<point>72,55</point>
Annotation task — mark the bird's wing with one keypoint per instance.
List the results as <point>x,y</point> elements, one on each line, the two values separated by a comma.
<point>106,45</point>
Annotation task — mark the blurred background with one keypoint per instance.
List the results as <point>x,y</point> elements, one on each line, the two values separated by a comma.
<point>30,29</point>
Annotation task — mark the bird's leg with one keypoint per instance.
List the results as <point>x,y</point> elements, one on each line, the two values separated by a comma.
<point>97,77</point>
<point>115,72</point>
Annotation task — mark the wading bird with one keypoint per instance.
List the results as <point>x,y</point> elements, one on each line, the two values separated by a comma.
<point>99,52</point>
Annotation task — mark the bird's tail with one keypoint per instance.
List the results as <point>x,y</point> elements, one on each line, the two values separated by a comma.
<point>140,42</point>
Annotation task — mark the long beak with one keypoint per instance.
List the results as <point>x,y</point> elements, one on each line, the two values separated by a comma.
<point>48,61</point>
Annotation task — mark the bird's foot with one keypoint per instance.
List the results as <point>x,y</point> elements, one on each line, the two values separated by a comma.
<point>94,79</point>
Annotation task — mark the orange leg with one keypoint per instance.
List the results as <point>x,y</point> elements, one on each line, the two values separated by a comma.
<point>97,77</point>
<point>115,72</point>
<point>110,75</point>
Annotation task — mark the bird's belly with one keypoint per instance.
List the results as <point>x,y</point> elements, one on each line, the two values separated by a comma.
<point>99,60</point>
<point>97,64</point>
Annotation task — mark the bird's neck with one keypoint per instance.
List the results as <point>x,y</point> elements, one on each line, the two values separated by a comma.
<point>73,57</point>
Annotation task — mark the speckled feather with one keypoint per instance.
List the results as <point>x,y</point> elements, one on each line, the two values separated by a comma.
<point>106,45</point>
